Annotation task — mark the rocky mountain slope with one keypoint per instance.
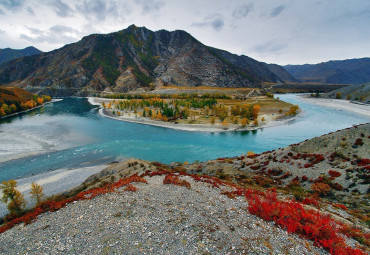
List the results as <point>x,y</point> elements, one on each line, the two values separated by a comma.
<point>358,92</point>
<point>134,58</point>
<point>10,54</point>
<point>282,73</point>
<point>350,71</point>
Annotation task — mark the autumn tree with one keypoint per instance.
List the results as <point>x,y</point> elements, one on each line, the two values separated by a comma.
<point>293,110</point>
<point>244,122</point>
<point>40,100</point>
<point>12,197</point>
<point>255,110</point>
<point>255,123</point>
<point>5,109</point>
<point>338,95</point>
<point>213,120</point>
<point>225,124</point>
<point>12,108</point>
<point>349,97</point>
<point>36,192</point>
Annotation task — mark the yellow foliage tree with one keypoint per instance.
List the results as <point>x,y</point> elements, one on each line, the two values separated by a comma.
<point>36,192</point>
<point>12,197</point>
<point>159,115</point>
<point>13,108</point>
<point>225,123</point>
<point>255,110</point>
<point>213,120</point>
<point>244,122</point>
<point>40,100</point>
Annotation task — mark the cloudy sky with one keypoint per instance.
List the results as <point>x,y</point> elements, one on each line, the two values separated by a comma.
<point>273,31</point>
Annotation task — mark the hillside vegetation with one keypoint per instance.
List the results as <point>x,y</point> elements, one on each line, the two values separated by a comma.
<point>13,99</point>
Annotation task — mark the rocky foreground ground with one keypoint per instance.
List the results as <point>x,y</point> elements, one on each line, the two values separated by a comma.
<point>156,219</point>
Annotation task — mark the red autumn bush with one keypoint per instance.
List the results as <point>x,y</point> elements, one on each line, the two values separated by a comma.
<point>130,187</point>
<point>310,201</point>
<point>363,162</point>
<point>175,180</point>
<point>343,207</point>
<point>295,219</point>
<point>321,188</point>
<point>334,173</point>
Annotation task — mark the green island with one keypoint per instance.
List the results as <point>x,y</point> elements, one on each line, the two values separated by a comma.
<point>217,110</point>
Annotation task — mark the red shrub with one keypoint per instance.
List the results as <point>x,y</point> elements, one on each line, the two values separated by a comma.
<point>363,162</point>
<point>175,180</point>
<point>304,178</point>
<point>343,207</point>
<point>256,167</point>
<point>130,188</point>
<point>310,201</point>
<point>359,142</point>
<point>336,186</point>
<point>334,173</point>
<point>321,188</point>
<point>295,219</point>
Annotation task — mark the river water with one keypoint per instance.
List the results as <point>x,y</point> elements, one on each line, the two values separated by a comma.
<point>78,137</point>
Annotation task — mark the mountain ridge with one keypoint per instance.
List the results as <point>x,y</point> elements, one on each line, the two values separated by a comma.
<point>130,59</point>
<point>8,54</point>
<point>348,71</point>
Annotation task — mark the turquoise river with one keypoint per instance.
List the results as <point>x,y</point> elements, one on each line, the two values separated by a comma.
<point>81,137</point>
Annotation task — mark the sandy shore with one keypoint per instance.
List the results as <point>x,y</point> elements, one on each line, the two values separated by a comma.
<point>340,105</point>
<point>54,182</point>
<point>16,145</point>
<point>182,126</point>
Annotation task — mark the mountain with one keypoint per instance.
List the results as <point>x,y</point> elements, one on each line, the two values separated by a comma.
<point>133,58</point>
<point>10,54</point>
<point>282,73</point>
<point>350,71</point>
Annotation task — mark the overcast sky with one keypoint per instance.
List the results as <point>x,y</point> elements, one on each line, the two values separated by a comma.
<point>273,31</point>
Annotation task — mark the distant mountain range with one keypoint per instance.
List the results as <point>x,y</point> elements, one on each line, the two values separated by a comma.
<point>351,71</point>
<point>136,58</point>
<point>10,54</point>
